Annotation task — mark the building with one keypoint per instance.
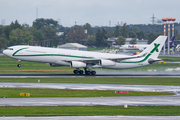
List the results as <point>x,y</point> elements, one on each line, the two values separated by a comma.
<point>73,46</point>
<point>137,40</point>
<point>112,43</point>
<point>3,22</point>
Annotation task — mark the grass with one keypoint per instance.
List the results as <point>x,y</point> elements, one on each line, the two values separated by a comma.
<point>35,92</point>
<point>89,110</point>
<point>9,65</point>
<point>172,59</point>
<point>99,80</point>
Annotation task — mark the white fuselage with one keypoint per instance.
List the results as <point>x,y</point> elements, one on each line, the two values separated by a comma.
<point>63,56</point>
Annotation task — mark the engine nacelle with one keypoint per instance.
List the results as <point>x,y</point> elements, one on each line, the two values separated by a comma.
<point>107,63</point>
<point>77,64</point>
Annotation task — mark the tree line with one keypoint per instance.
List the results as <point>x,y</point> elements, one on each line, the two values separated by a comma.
<point>43,32</point>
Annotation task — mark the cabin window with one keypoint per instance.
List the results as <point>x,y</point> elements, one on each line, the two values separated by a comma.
<point>9,48</point>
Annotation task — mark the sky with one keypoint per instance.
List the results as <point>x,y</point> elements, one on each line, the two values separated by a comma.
<point>94,12</point>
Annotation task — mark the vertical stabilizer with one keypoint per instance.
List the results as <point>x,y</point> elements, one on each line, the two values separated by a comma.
<point>155,47</point>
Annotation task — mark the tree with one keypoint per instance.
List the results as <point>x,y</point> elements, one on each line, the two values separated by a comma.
<point>101,38</point>
<point>110,33</point>
<point>133,41</point>
<point>132,34</point>
<point>7,30</point>
<point>136,29</point>
<point>178,36</point>
<point>1,30</point>
<point>91,40</point>
<point>125,31</point>
<point>41,22</point>
<point>117,31</point>
<point>120,41</point>
<point>51,38</point>
<point>25,26</point>
<point>20,37</point>
<point>38,37</point>
<point>3,42</point>
<point>151,37</point>
<point>140,35</point>
<point>15,25</point>
<point>88,27</point>
<point>176,32</point>
<point>76,34</point>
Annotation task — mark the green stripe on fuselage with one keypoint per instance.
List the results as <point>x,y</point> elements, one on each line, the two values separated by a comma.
<point>18,51</point>
<point>56,55</point>
<point>14,54</point>
<point>137,61</point>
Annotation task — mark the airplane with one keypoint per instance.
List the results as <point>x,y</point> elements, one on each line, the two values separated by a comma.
<point>171,43</point>
<point>86,59</point>
<point>141,47</point>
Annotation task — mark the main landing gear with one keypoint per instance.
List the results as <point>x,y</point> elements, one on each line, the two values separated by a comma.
<point>19,65</point>
<point>81,72</point>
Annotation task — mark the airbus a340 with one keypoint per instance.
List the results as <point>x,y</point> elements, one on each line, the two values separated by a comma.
<point>84,59</point>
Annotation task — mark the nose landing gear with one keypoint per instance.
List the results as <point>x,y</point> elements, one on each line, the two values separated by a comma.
<point>19,65</point>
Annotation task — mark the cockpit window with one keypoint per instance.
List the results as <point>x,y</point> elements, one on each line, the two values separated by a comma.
<point>9,48</point>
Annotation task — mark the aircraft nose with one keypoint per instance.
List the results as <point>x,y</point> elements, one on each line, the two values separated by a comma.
<point>6,52</point>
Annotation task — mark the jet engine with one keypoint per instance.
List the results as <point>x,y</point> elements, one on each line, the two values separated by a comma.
<point>107,63</point>
<point>77,64</point>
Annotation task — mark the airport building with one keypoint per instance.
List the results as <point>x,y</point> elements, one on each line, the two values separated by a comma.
<point>112,43</point>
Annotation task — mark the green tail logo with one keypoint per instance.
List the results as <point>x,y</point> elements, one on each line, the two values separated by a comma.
<point>155,48</point>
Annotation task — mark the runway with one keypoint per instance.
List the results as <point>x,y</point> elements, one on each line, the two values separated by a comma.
<point>105,74</point>
<point>61,101</point>
<point>153,88</point>
<point>134,100</point>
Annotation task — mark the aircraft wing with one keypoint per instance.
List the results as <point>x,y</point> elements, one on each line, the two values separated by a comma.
<point>95,61</point>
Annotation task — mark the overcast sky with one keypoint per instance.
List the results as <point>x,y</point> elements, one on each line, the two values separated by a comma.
<point>95,12</point>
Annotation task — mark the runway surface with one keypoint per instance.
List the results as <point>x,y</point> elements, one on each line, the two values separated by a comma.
<point>157,88</point>
<point>105,74</point>
<point>95,118</point>
<point>58,101</point>
<point>135,100</point>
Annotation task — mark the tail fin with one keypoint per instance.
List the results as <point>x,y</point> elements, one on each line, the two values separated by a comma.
<point>153,50</point>
<point>171,42</point>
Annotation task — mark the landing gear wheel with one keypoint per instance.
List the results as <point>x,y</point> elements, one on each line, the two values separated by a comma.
<point>19,65</point>
<point>93,72</point>
<point>75,72</point>
<point>87,72</point>
<point>81,72</point>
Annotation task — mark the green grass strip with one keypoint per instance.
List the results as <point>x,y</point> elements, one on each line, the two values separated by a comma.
<point>99,80</point>
<point>15,92</point>
<point>9,65</point>
<point>89,110</point>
